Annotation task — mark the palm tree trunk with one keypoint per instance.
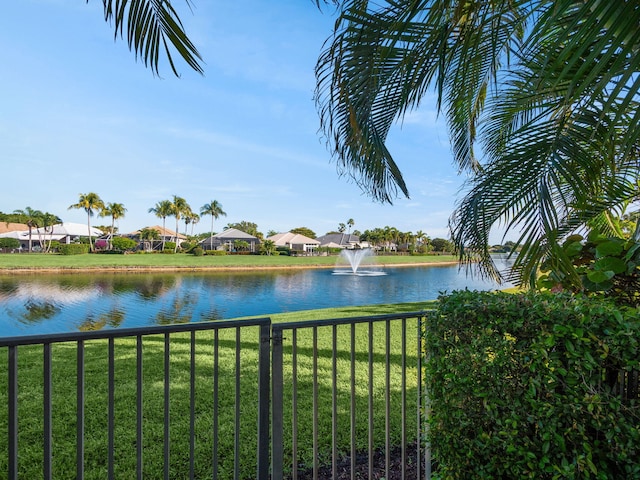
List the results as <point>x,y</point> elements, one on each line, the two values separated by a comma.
<point>164,231</point>
<point>211,237</point>
<point>113,222</point>
<point>175,250</point>
<point>89,232</point>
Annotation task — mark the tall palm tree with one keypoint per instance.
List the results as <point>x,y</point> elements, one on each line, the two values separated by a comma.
<point>163,209</point>
<point>214,208</point>
<point>549,91</point>
<point>350,224</point>
<point>31,218</point>
<point>179,206</point>
<point>194,220</point>
<point>115,211</point>
<point>89,202</point>
<point>188,217</point>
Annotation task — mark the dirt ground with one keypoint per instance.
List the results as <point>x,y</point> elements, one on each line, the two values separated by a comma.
<point>362,467</point>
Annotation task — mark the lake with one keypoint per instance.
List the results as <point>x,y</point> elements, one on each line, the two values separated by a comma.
<point>52,303</point>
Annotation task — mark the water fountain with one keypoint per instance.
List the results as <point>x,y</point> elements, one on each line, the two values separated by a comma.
<point>355,258</point>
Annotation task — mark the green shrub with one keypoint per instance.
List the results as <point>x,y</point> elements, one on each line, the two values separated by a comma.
<point>197,251</point>
<point>9,243</point>
<point>216,252</point>
<point>528,386</point>
<point>186,246</point>
<point>602,265</point>
<point>123,244</point>
<point>170,246</point>
<point>73,248</point>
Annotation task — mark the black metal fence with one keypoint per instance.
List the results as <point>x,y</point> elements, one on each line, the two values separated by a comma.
<point>228,399</point>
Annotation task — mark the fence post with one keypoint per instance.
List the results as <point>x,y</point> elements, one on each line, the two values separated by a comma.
<point>277,400</point>
<point>263,402</point>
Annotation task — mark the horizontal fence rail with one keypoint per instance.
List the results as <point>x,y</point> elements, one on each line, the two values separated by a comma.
<point>189,379</point>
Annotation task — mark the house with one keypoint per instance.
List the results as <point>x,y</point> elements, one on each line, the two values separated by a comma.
<point>295,242</point>
<point>163,234</point>
<point>227,239</point>
<point>66,232</point>
<point>342,240</point>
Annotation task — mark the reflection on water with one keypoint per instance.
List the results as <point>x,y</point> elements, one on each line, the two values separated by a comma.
<point>37,311</point>
<point>113,318</point>
<point>46,303</point>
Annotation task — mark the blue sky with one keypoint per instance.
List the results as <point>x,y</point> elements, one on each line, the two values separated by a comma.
<point>79,114</point>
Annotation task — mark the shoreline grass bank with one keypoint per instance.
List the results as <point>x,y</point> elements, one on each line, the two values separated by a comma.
<point>53,263</point>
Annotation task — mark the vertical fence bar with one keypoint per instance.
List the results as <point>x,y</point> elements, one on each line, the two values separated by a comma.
<point>334,401</point>
<point>315,403</point>
<point>264,376</point>
<point>387,397</point>
<point>13,413</point>
<point>167,419</point>
<point>47,436</point>
<point>80,411</point>
<point>419,415</point>
<point>110,409</point>
<point>139,410</point>
<point>370,405</point>
<point>352,408</point>
<point>216,400</point>
<point>427,412</point>
<point>192,404</point>
<point>236,443</point>
<point>277,399</point>
<point>294,403</point>
<point>403,407</point>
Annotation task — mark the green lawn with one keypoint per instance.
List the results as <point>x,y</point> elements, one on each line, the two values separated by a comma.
<point>9,261</point>
<point>64,403</point>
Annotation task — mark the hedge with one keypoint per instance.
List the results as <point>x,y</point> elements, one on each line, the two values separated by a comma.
<point>215,252</point>
<point>533,386</point>
<point>73,248</point>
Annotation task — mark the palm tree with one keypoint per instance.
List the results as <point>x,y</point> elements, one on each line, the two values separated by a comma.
<point>179,206</point>
<point>268,247</point>
<point>150,234</point>
<point>188,216</point>
<point>549,90</point>
<point>89,202</point>
<point>214,208</point>
<point>163,209</point>
<point>31,218</point>
<point>48,221</point>
<point>350,223</point>
<point>115,211</point>
<point>195,219</point>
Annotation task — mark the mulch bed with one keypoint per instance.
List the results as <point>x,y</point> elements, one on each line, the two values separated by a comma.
<point>362,467</point>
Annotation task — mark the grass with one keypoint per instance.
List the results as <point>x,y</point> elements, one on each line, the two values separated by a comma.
<point>64,397</point>
<point>9,261</point>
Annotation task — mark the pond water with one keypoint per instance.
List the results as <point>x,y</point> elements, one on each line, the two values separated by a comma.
<point>48,303</point>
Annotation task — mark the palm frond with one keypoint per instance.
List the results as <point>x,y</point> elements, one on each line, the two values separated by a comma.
<point>152,26</point>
